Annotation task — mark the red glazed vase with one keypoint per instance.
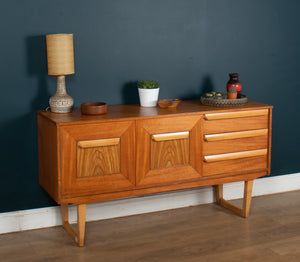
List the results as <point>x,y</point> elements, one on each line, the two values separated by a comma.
<point>234,82</point>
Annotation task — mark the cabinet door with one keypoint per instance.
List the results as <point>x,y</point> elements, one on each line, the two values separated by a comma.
<point>97,158</point>
<point>168,150</point>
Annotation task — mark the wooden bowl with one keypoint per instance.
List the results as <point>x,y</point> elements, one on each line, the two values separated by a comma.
<point>169,103</point>
<point>94,108</point>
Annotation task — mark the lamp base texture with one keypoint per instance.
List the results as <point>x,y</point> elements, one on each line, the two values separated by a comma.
<point>61,102</point>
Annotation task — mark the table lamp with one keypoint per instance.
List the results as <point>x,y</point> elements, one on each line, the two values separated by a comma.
<point>60,57</point>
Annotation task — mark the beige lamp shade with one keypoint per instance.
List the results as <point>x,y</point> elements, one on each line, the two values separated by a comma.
<point>60,54</point>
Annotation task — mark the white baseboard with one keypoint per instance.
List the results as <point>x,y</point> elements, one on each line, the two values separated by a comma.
<point>51,216</point>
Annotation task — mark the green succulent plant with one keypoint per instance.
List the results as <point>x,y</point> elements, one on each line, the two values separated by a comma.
<point>232,90</point>
<point>148,84</point>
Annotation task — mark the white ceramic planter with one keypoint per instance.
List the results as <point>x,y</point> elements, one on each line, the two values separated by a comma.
<point>148,97</point>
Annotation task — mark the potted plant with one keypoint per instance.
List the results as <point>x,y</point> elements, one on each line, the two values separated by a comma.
<point>232,93</point>
<point>148,92</point>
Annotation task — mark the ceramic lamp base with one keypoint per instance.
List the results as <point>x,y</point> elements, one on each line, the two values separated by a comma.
<point>61,102</point>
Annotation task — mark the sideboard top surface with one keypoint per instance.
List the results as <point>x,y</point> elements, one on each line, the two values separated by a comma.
<point>115,112</point>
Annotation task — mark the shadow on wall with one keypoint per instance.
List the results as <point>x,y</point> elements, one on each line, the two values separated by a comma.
<point>19,168</point>
<point>205,87</point>
<point>130,93</point>
<point>37,67</point>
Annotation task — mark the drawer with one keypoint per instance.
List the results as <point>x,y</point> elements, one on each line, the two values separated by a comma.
<point>235,155</point>
<point>235,121</point>
<point>235,165</point>
<point>235,141</point>
<point>235,145</point>
<point>235,162</point>
<point>235,114</point>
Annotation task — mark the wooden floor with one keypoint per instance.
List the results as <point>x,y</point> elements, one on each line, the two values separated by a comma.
<point>201,233</point>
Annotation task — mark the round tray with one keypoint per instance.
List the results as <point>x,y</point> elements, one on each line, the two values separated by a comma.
<point>213,101</point>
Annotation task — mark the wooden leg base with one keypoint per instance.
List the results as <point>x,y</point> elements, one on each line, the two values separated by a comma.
<point>244,212</point>
<point>78,237</point>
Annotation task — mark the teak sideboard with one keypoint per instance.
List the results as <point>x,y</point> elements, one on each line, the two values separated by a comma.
<point>133,151</point>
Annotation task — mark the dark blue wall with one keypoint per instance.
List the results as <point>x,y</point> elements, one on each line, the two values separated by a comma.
<point>190,46</point>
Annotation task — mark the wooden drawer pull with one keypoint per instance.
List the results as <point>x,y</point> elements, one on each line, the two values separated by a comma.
<point>236,155</point>
<point>234,135</point>
<point>217,116</point>
<point>170,136</point>
<point>99,142</point>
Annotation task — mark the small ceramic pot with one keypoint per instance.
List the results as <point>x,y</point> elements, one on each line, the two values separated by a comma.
<point>231,95</point>
<point>148,97</point>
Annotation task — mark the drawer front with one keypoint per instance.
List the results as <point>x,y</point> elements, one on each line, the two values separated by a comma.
<point>235,124</point>
<point>235,121</point>
<point>235,141</point>
<point>235,165</point>
<point>236,114</point>
<point>235,155</point>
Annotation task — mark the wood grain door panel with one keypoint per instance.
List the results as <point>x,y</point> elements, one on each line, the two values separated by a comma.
<point>168,150</point>
<point>97,158</point>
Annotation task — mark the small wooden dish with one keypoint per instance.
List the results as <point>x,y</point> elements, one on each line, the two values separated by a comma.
<point>94,108</point>
<point>169,103</point>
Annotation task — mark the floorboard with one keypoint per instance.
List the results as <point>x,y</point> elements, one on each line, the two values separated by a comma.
<point>201,233</point>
